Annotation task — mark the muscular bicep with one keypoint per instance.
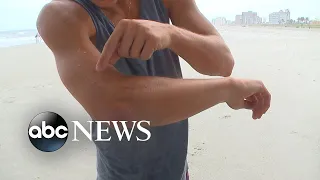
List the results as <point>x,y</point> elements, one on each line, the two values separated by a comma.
<point>185,14</point>
<point>76,58</point>
<point>67,38</point>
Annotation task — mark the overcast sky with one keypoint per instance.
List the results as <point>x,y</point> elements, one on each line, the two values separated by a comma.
<point>22,14</point>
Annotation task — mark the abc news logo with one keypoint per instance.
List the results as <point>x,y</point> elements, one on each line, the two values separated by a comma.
<point>48,131</point>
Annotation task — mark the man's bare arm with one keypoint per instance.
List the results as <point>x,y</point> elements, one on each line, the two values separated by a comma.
<point>197,41</point>
<point>109,95</point>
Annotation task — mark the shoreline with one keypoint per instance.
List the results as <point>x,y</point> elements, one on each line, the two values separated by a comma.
<point>21,44</point>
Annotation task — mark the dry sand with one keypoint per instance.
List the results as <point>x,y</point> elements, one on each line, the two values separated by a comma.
<point>224,144</point>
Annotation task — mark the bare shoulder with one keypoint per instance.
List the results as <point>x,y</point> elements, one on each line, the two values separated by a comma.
<point>59,21</point>
<point>178,4</point>
<point>59,13</point>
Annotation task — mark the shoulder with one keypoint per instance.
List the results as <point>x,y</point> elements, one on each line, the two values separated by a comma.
<point>62,20</point>
<point>178,4</point>
<point>62,10</point>
<point>62,14</point>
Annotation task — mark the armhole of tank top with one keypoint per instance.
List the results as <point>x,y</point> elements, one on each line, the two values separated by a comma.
<point>92,19</point>
<point>163,10</point>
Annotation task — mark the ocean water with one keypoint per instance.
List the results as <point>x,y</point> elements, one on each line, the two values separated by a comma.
<point>18,37</point>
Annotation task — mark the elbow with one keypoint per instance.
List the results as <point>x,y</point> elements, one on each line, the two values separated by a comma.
<point>223,68</point>
<point>226,62</point>
<point>219,61</point>
<point>227,67</point>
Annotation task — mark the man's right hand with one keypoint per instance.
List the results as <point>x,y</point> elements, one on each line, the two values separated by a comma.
<point>249,94</point>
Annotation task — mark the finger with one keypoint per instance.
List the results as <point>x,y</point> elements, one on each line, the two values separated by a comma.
<point>148,49</point>
<point>267,100</point>
<point>255,108</point>
<point>111,46</point>
<point>137,46</point>
<point>263,108</point>
<point>260,106</point>
<point>249,104</point>
<point>126,42</point>
<point>114,58</point>
<point>251,99</point>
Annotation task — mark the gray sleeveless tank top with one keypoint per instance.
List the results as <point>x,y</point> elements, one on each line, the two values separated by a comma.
<point>163,156</point>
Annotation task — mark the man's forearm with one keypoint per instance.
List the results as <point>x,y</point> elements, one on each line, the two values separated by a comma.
<point>208,54</point>
<point>164,100</point>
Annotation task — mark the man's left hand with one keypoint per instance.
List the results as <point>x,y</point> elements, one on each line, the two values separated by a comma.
<point>135,39</point>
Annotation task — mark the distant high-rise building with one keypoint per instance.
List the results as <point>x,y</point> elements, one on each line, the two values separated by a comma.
<point>280,17</point>
<point>248,18</point>
<point>238,20</point>
<point>274,18</point>
<point>258,20</point>
<point>220,21</point>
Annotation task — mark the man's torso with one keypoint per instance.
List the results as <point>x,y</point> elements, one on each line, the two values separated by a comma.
<point>163,156</point>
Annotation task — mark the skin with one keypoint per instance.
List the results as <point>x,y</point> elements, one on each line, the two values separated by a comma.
<point>201,45</point>
<point>106,94</point>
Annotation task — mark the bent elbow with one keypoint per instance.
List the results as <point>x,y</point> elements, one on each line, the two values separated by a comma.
<point>227,68</point>
<point>224,68</point>
<point>226,63</point>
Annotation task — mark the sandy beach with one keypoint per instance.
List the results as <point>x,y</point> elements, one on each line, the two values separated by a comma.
<point>224,144</point>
